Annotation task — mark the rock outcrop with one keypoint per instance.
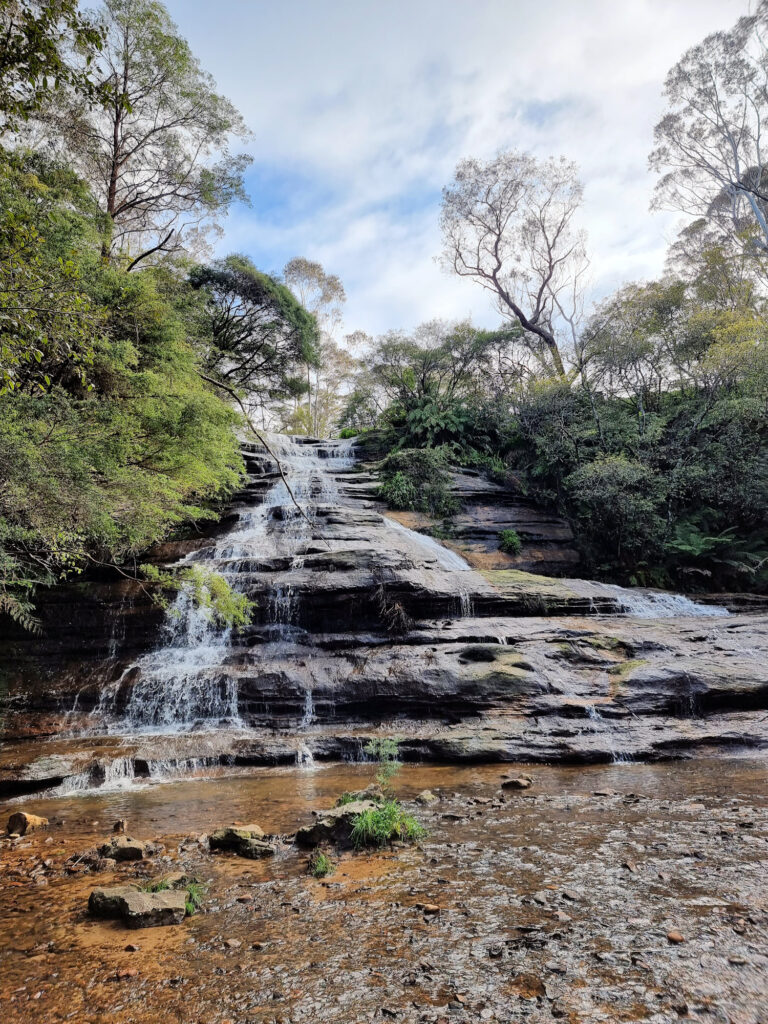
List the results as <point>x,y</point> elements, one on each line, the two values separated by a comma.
<point>364,627</point>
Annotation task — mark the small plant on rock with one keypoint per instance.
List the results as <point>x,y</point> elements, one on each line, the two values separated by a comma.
<point>157,885</point>
<point>195,893</point>
<point>384,824</point>
<point>509,542</point>
<point>321,865</point>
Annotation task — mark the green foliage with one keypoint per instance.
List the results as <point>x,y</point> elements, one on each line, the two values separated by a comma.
<point>347,432</point>
<point>385,824</point>
<point>195,893</point>
<point>418,479</point>
<point>255,332</point>
<point>206,589</point>
<point>321,865</point>
<point>387,753</point>
<point>39,38</point>
<point>109,439</point>
<point>509,542</point>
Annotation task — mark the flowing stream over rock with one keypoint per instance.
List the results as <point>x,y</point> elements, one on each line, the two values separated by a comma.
<point>366,626</point>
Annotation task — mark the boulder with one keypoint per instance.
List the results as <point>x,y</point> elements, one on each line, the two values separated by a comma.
<point>426,796</point>
<point>21,822</point>
<point>109,902</point>
<point>152,909</point>
<point>137,908</point>
<point>334,826</point>
<point>517,782</point>
<point>124,848</point>
<point>244,840</point>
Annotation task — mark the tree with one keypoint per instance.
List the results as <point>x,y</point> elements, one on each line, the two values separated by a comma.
<point>156,154</point>
<point>254,331</point>
<point>508,223</point>
<point>330,380</point>
<point>709,144</point>
<point>323,295</point>
<point>37,39</point>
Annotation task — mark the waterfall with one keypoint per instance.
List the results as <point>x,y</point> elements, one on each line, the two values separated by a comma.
<point>185,683</point>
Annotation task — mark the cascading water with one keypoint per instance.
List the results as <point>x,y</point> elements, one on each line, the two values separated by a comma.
<point>650,604</point>
<point>184,684</point>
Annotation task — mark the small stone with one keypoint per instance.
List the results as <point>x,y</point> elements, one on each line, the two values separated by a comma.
<point>675,937</point>
<point>120,826</point>
<point>232,943</point>
<point>494,952</point>
<point>737,961</point>
<point>429,908</point>
<point>132,948</point>
<point>426,796</point>
<point>126,972</point>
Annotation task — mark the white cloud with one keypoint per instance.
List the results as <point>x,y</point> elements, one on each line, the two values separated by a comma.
<point>372,104</point>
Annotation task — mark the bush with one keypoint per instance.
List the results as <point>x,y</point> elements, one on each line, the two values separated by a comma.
<point>399,491</point>
<point>321,865</point>
<point>417,480</point>
<point>509,542</point>
<point>348,432</point>
<point>384,824</point>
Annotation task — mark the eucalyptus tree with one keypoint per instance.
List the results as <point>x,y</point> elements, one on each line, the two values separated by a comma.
<point>323,295</point>
<point>508,223</point>
<point>710,148</point>
<point>156,152</point>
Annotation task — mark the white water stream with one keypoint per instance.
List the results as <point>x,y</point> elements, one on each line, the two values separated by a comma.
<point>183,685</point>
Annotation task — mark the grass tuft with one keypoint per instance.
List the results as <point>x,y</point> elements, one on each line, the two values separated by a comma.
<point>385,824</point>
<point>321,865</point>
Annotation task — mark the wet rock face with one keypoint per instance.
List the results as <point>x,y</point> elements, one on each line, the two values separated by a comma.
<point>362,623</point>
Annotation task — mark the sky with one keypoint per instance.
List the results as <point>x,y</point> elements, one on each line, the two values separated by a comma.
<point>361,109</point>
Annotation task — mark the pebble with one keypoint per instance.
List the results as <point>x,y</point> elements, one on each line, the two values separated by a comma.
<point>675,936</point>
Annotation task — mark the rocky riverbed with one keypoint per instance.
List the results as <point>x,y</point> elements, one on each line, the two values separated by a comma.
<point>606,893</point>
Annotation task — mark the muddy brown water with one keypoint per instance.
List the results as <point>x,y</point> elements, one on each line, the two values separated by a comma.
<point>553,905</point>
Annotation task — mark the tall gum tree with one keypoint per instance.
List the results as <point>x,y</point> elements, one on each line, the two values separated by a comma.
<point>508,223</point>
<point>156,152</point>
<point>710,148</point>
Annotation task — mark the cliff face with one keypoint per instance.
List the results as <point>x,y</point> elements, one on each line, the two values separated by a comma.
<point>363,624</point>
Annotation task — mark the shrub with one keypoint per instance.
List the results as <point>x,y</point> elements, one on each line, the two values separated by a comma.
<point>321,865</point>
<point>399,491</point>
<point>348,432</point>
<point>416,479</point>
<point>384,824</point>
<point>509,542</point>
